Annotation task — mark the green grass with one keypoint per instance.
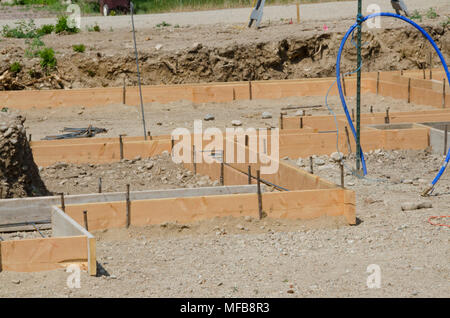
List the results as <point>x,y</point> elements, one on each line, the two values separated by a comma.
<point>48,59</point>
<point>416,15</point>
<point>63,25</point>
<point>431,14</point>
<point>15,67</point>
<point>156,6</point>
<point>79,48</point>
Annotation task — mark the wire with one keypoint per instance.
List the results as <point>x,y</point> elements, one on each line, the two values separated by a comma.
<point>341,94</point>
<point>438,217</point>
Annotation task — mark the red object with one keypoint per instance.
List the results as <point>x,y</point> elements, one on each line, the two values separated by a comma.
<point>438,217</point>
<point>290,22</point>
<point>117,5</point>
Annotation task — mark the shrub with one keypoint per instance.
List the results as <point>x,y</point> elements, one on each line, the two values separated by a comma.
<point>15,67</point>
<point>431,14</point>
<point>45,29</point>
<point>23,30</point>
<point>63,25</point>
<point>416,16</point>
<point>34,47</point>
<point>94,28</point>
<point>79,48</point>
<point>163,24</point>
<point>48,59</point>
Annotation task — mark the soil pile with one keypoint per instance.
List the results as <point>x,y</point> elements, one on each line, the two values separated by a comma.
<point>19,175</point>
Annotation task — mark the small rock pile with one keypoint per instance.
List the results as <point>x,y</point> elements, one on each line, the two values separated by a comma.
<point>19,175</point>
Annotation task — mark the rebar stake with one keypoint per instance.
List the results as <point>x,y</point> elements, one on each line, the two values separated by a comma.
<point>128,202</point>
<point>258,179</point>
<point>85,220</point>
<point>63,205</point>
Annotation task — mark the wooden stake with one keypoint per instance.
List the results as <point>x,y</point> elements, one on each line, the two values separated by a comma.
<point>281,120</point>
<point>128,206</point>
<point>234,94</point>
<point>85,220</point>
<point>258,178</point>
<point>298,12</point>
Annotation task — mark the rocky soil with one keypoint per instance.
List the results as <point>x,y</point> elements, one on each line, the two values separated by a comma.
<point>219,53</point>
<point>19,175</point>
<point>157,173</point>
<point>275,258</point>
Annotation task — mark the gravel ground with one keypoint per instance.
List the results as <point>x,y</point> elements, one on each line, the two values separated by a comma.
<point>164,118</point>
<point>308,12</point>
<point>279,258</point>
<point>158,172</point>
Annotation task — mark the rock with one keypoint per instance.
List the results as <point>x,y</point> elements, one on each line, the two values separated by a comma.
<point>299,113</point>
<point>350,184</point>
<point>319,162</point>
<point>16,281</point>
<point>8,133</point>
<point>407,181</point>
<point>266,115</point>
<point>149,165</point>
<point>290,291</point>
<point>300,162</point>
<point>240,227</point>
<point>409,206</point>
<point>236,123</point>
<point>158,47</point>
<point>208,117</point>
<point>336,156</point>
<point>248,218</point>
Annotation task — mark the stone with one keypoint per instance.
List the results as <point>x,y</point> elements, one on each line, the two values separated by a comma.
<point>158,47</point>
<point>319,162</point>
<point>299,113</point>
<point>409,206</point>
<point>300,162</point>
<point>266,115</point>
<point>336,156</point>
<point>407,181</point>
<point>208,117</point>
<point>236,123</point>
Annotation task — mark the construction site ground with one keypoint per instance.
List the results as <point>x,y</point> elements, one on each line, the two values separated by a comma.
<point>243,257</point>
<point>237,257</point>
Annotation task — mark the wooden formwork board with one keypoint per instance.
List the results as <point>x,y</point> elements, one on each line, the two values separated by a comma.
<point>44,254</point>
<point>70,244</point>
<point>290,205</point>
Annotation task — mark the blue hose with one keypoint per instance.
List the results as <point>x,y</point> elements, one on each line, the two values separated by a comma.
<point>338,76</point>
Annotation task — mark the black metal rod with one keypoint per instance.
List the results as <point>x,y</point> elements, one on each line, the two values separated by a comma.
<point>100,185</point>
<point>85,220</point>
<point>121,146</point>
<point>258,178</point>
<point>194,160</point>
<point>301,122</point>
<point>409,90</point>
<point>128,202</point>
<point>341,166</point>
<point>250,92</point>
<point>311,165</point>
<point>221,173</point>
<point>281,120</point>
<point>445,139</point>
<point>249,174</point>
<point>138,73</point>
<point>63,205</point>
<point>348,140</point>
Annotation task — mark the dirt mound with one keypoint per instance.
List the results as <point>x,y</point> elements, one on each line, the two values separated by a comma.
<point>19,175</point>
<point>290,57</point>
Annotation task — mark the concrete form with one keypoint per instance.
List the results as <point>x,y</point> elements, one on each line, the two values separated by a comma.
<point>300,201</point>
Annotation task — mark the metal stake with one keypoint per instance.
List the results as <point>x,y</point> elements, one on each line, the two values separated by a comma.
<point>386,118</point>
<point>341,164</point>
<point>311,165</point>
<point>301,122</point>
<point>221,173</point>
<point>258,179</point>
<point>358,92</point>
<point>343,84</point>
<point>100,185</point>
<point>250,93</point>
<point>128,202</point>
<point>378,82</point>
<point>348,140</point>
<point>445,139</point>
<point>409,90</point>
<point>249,174</point>
<point>138,73</point>
<point>85,220</point>
<point>121,146</point>
<point>124,92</point>
<point>443,93</point>
<point>281,120</point>
<point>194,160</point>
<point>63,205</point>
